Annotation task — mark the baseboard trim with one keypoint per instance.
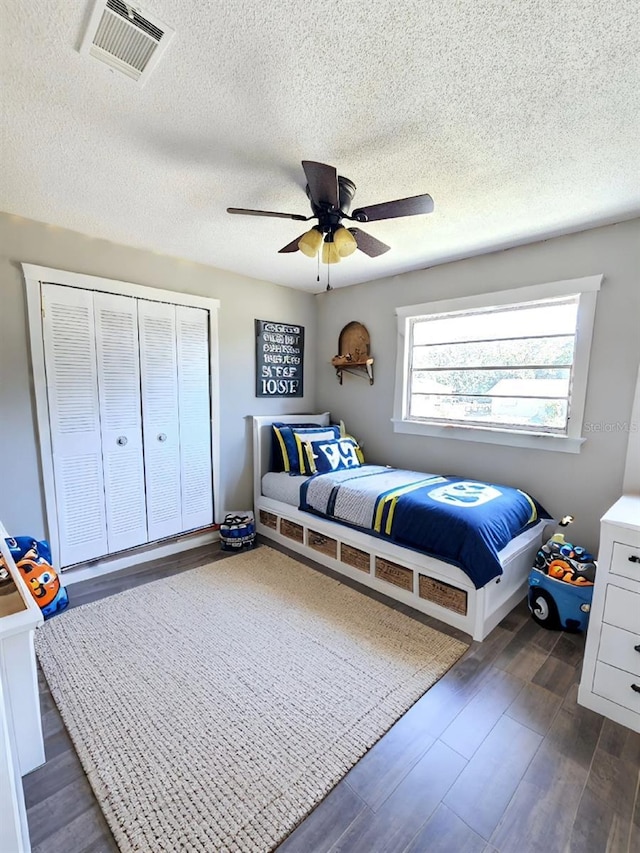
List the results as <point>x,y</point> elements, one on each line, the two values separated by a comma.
<point>138,556</point>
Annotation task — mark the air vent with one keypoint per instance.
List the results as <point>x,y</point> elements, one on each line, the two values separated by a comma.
<point>129,41</point>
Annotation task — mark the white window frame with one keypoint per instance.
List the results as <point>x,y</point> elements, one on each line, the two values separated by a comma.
<point>34,277</point>
<point>587,288</point>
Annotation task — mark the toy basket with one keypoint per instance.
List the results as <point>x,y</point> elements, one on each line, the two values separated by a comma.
<point>238,531</point>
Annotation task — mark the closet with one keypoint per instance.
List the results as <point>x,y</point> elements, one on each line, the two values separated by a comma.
<point>128,386</point>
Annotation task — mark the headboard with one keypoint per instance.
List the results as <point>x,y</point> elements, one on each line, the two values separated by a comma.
<point>262,441</point>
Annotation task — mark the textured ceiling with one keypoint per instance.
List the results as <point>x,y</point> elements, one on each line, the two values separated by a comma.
<point>520,117</point>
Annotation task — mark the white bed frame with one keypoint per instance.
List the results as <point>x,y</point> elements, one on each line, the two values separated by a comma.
<point>307,534</point>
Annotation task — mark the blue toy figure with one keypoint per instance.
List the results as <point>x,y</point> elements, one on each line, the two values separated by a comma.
<point>561,584</point>
<point>33,559</point>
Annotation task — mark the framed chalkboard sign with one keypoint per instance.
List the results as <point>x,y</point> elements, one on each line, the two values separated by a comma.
<point>279,359</point>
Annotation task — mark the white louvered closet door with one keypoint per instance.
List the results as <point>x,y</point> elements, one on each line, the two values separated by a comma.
<point>161,432</point>
<point>194,405</point>
<point>74,417</point>
<point>117,356</point>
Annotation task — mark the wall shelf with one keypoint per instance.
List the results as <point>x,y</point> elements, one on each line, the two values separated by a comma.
<point>356,368</point>
<point>354,354</point>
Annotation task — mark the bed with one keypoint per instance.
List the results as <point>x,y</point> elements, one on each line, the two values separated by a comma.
<point>426,583</point>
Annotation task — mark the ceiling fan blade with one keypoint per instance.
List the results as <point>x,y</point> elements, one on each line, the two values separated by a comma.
<point>246,212</point>
<point>368,244</point>
<point>292,246</point>
<point>393,209</point>
<point>323,183</point>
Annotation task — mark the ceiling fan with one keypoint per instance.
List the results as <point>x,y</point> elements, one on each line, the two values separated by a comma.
<point>331,195</point>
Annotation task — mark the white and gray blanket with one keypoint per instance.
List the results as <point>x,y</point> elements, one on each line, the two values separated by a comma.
<point>352,495</point>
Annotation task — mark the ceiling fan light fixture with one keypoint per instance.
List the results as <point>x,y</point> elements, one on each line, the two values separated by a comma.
<point>330,253</point>
<point>310,243</point>
<point>345,242</point>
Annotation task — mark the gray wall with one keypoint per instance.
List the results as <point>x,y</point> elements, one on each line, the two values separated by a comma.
<point>242,300</point>
<point>631,482</point>
<point>583,484</point>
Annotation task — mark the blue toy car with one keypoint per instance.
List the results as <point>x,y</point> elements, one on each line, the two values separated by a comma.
<point>556,605</point>
<point>561,584</point>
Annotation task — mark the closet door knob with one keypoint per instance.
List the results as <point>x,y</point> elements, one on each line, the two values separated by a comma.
<point>636,687</point>
<point>637,648</point>
<point>634,558</point>
<point>121,440</point>
<point>162,436</point>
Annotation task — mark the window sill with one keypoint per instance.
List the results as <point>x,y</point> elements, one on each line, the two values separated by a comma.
<point>510,438</point>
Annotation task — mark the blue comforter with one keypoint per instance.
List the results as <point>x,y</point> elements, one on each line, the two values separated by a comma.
<point>463,522</point>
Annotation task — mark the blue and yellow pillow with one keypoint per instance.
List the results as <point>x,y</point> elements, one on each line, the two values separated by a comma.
<point>290,440</point>
<point>335,455</point>
<point>345,434</point>
<point>277,444</point>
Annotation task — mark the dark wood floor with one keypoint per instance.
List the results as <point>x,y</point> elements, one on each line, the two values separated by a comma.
<point>497,756</point>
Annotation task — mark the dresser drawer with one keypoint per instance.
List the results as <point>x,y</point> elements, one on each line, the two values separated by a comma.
<point>625,561</point>
<point>615,685</point>
<point>617,647</point>
<point>622,608</point>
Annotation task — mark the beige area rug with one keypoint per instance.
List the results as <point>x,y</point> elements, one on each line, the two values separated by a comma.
<point>214,709</point>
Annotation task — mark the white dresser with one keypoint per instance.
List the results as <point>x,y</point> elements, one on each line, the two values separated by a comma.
<point>21,743</point>
<point>610,682</point>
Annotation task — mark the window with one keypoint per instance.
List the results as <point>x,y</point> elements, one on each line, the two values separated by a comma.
<point>507,367</point>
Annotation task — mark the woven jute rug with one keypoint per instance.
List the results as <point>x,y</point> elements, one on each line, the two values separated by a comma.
<point>212,710</point>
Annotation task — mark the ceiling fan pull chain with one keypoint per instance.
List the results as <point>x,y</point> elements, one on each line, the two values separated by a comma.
<point>318,273</point>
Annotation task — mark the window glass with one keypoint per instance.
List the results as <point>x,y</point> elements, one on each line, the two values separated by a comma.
<point>506,367</point>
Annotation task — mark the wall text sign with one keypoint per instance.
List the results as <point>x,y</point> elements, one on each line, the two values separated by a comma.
<point>279,359</point>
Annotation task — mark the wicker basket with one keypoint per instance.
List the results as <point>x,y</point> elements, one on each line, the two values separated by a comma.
<point>322,543</point>
<point>395,574</point>
<point>443,594</point>
<point>355,557</point>
<point>268,519</point>
<point>291,530</point>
